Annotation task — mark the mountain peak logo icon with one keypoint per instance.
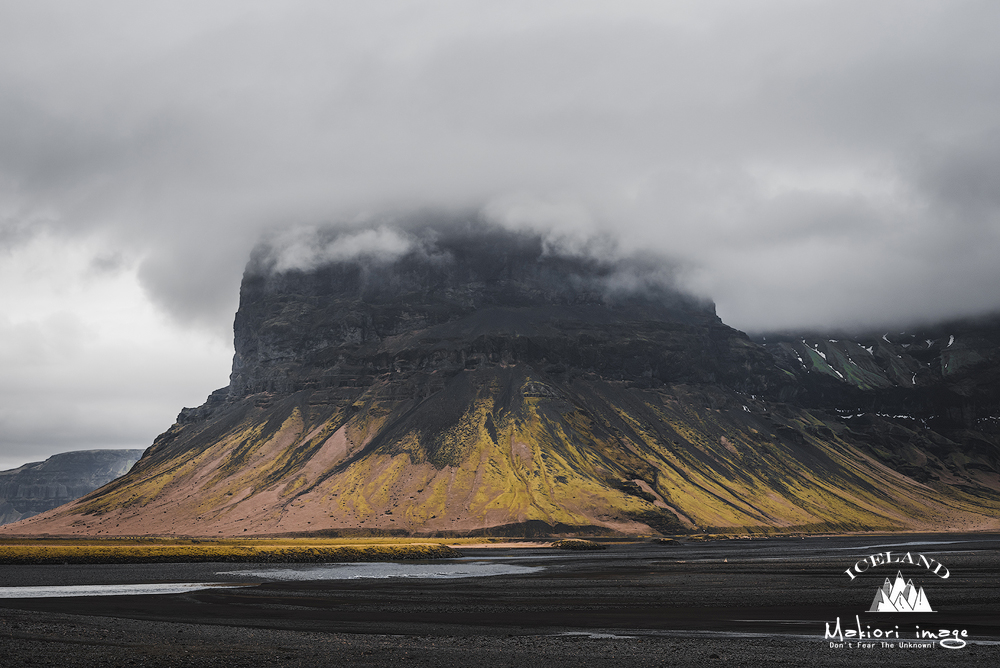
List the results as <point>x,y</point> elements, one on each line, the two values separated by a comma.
<point>900,596</point>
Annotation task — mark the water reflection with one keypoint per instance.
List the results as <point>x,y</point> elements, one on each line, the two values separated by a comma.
<point>63,591</point>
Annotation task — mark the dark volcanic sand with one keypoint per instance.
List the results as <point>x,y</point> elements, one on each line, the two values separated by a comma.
<point>731,603</point>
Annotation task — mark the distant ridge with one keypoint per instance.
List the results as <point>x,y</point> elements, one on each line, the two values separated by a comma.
<point>40,486</point>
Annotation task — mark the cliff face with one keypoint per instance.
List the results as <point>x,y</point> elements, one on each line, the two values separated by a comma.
<point>946,374</point>
<point>40,486</point>
<point>474,301</point>
<point>478,382</point>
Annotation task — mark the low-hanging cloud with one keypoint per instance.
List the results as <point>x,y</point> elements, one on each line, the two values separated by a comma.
<point>305,248</point>
<point>390,257</point>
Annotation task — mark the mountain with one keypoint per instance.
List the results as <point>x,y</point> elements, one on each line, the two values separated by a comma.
<point>40,486</point>
<point>926,402</point>
<point>463,379</point>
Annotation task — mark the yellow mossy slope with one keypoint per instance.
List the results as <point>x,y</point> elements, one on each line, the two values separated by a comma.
<point>509,448</point>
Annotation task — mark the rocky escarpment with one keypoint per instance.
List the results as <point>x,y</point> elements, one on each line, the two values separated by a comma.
<point>474,380</point>
<point>40,486</point>
<point>477,300</point>
<point>946,374</point>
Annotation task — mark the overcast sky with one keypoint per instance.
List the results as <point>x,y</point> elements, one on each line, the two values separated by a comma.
<point>805,163</point>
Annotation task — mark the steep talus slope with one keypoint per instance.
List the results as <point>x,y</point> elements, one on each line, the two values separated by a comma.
<point>479,382</point>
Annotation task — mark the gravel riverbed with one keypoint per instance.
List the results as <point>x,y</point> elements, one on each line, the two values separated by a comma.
<point>726,603</point>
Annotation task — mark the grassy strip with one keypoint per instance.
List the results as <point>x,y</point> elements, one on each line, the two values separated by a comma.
<point>577,544</point>
<point>214,552</point>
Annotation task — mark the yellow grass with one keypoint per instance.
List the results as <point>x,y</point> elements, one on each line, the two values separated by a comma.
<point>578,544</point>
<point>163,550</point>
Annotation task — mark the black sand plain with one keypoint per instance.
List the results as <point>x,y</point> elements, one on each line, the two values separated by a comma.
<point>761,602</point>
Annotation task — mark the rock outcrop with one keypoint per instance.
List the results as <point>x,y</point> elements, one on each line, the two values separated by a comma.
<point>476,381</point>
<point>40,486</point>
